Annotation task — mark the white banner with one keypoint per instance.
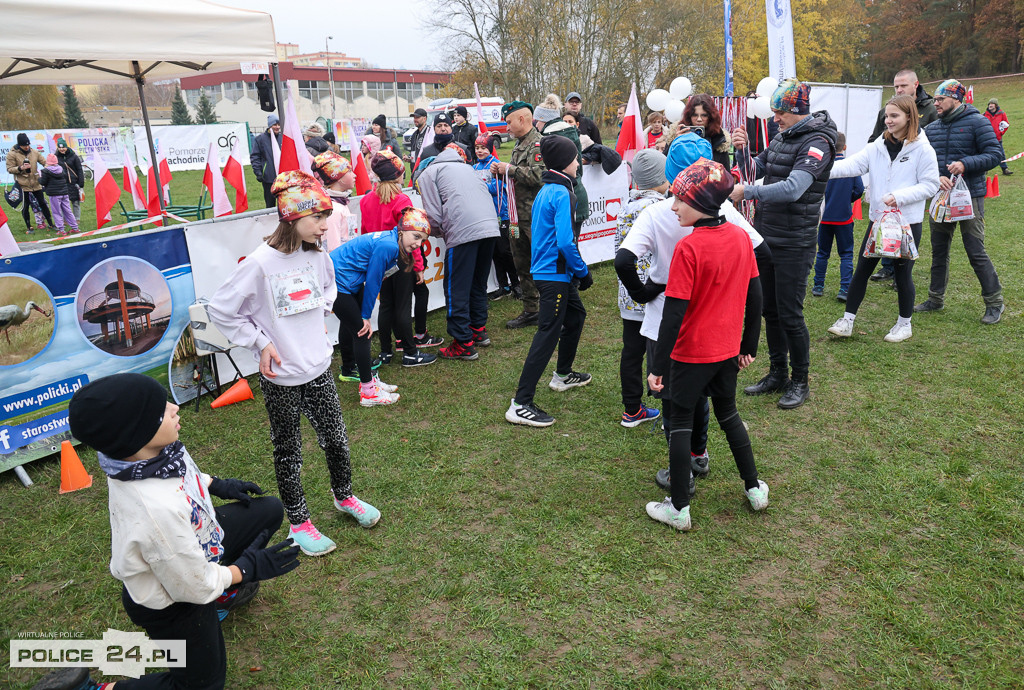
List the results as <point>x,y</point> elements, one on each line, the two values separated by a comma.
<point>186,145</point>
<point>607,194</point>
<point>781,56</point>
<point>109,143</point>
<point>846,105</point>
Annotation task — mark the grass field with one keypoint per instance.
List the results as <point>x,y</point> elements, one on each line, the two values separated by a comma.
<point>892,554</point>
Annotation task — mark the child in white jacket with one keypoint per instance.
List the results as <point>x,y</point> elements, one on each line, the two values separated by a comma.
<point>904,173</point>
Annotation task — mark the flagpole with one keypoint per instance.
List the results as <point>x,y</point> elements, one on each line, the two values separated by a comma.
<point>727,12</point>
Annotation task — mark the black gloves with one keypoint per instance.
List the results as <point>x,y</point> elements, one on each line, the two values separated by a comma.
<point>649,291</point>
<point>234,490</point>
<point>585,282</point>
<point>259,563</point>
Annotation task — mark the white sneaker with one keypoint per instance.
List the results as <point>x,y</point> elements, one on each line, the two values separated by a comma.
<point>843,328</point>
<point>758,497</point>
<point>898,333</point>
<point>667,513</point>
<point>386,387</point>
<point>379,397</point>
<point>571,380</point>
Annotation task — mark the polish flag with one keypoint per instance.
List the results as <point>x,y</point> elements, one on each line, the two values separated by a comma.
<point>294,155</point>
<point>8,247</point>
<point>105,190</point>
<point>276,150</point>
<point>153,195</point>
<point>631,136</point>
<point>214,183</point>
<point>479,111</point>
<point>165,172</point>
<point>358,164</point>
<point>130,183</point>
<point>970,95</point>
<point>235,174</point>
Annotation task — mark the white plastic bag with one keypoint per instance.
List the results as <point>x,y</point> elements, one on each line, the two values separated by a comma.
<point>888,234</point>
<point>960,207</point>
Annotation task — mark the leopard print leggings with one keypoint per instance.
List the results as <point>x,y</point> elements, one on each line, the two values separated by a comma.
<point>318,400</point>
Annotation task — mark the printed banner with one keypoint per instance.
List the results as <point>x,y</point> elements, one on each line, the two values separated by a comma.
<point>186,145</point>
<point>728,49</point>
<point>781,56</point>
<point>607,194</point>
<point>109,143</point>
<point>85,311</point>
<point>8,140</point>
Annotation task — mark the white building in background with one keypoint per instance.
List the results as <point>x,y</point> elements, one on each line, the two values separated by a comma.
<point>359,93</point>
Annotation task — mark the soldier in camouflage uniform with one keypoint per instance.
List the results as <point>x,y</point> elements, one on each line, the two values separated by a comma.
<point>525,168</point>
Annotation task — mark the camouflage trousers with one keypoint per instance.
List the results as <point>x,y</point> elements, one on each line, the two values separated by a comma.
<point>521,257</point>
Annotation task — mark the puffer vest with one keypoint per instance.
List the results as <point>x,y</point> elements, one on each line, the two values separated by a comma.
<point>794,225</point>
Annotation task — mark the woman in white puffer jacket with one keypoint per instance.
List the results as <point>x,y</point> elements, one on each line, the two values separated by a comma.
<point>903,174</point>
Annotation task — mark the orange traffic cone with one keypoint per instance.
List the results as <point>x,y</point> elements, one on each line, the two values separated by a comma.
<point>237,393</point>
<point>995,186</point>
<point>72,474</point>
<point>858,210</point>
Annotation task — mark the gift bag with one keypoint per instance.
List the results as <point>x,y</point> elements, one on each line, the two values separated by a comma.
<point>888,234</point>
<point>908,247</point>
<point>939,209</point>
<point>870,251</point>
<point>960,207</point>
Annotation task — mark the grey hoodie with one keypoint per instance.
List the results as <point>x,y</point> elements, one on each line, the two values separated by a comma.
<point>457,201</point>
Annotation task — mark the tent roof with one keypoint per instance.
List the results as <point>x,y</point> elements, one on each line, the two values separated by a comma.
<point>100,39</point>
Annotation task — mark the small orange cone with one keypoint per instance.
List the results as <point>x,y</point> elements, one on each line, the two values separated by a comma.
<point>995,186</point>
<point>72,474</point>
<point>858,210</point>
<point>237,393</point>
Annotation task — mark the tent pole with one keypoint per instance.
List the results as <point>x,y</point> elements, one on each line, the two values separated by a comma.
<point>278,92</point>
<point>153,162</point>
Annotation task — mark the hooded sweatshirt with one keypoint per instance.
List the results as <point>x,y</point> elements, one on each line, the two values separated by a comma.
<point>457,201</point>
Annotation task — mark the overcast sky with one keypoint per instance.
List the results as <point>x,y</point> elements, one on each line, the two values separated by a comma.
<point>388,34</point>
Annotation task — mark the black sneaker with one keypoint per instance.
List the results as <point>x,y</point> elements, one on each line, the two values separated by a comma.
<point>528,415</point>
<point>928,305</point>
<point>517,293</point>
<point>570,380</point>
<point>527,318</point>
<point>66,679</point>
<point>480,337</point>
<point>883,273</point>
<point>383,358</point>
<point>427,340</point>
<point>841,296</point>
<point>663,480</point>
<point>500,293</point>
<point>240,596</point>
<point>992,315</point>
<point>419,359</point>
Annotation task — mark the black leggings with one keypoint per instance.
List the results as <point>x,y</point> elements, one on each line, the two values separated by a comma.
<point>395,314</point>
<point>905,292</point>
<point>198,624</point>
<point>355,349</point>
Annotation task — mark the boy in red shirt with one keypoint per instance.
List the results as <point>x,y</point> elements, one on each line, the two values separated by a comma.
<point>704,333</point>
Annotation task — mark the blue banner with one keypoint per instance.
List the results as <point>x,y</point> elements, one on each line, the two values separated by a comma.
<point>728,48</point>
<point>21,435</point>
<point>38,398</point>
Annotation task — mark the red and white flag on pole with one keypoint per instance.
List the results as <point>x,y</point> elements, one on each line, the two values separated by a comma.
<point>8,247</point>
<point>294,155</point>
<point>152,195</point>
<point>479,110</point>
<point>165,172</point>
<point>358,164</point>
<point>235,174</point>
<point>105,190</point>
<point>214,183</point>
<point>428,139</point>
<point>276,150</point>
<point>130,183</point>
<point>631,136</point>
<point>970,95</point>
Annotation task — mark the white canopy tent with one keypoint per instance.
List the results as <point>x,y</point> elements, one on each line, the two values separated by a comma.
<point>137,40</point>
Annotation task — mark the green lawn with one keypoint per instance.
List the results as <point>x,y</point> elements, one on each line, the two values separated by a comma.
<point>892,554</point>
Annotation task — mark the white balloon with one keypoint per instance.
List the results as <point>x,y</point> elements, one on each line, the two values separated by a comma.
<point>680,88</point>
<point>759,107</point>
<point>767,86</point>
<point>658,99</point>
<point>674,110</point>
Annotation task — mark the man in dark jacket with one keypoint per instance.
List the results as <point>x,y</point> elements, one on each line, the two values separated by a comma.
<point>464,132</point>
<point>262,158</point>
<point>964,145</point>
<point>442,137</point>
<point>574,104</point>
<point>73,164</point>
<point>419,118</point>
<point>906,84</point>
<point>796,167</point>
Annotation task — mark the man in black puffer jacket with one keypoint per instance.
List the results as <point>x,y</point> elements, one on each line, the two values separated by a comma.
<point>795,166</point>
<point>965,144</point>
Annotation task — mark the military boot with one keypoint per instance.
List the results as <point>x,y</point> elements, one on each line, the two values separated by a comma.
<point>776,380</point>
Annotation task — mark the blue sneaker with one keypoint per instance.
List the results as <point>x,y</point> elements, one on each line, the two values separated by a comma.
<point>310,540</point>
<point>645,414</point>
<point>365,514</point>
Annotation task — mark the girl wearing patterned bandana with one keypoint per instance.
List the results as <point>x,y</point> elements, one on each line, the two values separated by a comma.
<point>184,563</point>
<point>360,266</point>
<point>274,304</point>
<point>336,175</point>
<point>704,334</point>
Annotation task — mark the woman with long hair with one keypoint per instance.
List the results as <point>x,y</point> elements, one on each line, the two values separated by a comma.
<point>702,116</point>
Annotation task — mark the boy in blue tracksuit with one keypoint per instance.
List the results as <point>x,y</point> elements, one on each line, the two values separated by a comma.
<point>837,223</point>
<point>560,274</point>
<point>360,266</point>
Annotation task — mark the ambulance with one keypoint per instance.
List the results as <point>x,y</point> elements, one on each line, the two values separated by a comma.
<point>496,126</point>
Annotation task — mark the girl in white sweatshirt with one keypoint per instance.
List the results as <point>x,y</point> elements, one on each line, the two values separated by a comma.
<point>274,304</point>
<point>903,174</point>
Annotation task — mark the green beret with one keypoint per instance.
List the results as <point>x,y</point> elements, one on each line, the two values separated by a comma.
<point>514,105</point>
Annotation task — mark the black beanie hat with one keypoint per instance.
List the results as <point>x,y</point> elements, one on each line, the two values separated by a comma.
<point>461,110</point>
<point>557,152</point>
<point>118,415</point>
<point>381,120</point>
<point>442,119</point>
<point>22,139</point>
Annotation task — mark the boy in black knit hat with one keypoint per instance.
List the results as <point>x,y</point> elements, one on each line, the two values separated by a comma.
<point>560,274</point>
<point>169,544</point>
